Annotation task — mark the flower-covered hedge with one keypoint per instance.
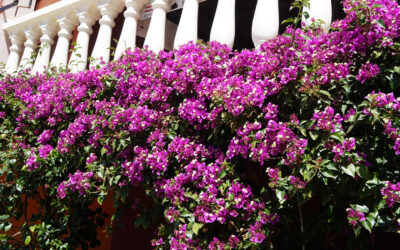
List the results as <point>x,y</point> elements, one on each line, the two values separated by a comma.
<point>295,144</point>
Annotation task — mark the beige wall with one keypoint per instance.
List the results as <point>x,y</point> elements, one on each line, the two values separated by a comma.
<point>14,12</point>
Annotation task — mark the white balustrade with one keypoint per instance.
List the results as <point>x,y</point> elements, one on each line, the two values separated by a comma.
<point>32,34</point>
<point>155,38</point>
<point>67,23</point>
<point>25,31</point>
<point>17,38</point>
<point>187,29</point>
<point>266,21</point>
<point>319,10</point>
<point>87,17</point>
<point>109,10</point>
<point>223,27</point>
<point>128,33</point>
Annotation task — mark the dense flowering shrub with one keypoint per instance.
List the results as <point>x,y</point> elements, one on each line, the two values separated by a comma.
<point>294,144</point>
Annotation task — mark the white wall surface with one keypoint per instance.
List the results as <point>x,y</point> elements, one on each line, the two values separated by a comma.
<point>10,14</point>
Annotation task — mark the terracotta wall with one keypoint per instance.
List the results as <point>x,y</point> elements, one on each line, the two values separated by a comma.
<point>43,3</point>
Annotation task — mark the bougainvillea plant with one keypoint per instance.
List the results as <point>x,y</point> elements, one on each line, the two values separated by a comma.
<point>295,144</point>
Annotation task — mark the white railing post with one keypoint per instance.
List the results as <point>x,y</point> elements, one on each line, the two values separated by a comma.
<point>67,24</point>
<point>187,28</point>
<point>17,39</point>
<point>87,17</point>
<point>49,30</point>
<point>319,9</point>
<point>128,33</point>
<point>266,21</point>
<point>155,38</point>
<point>223,27</point>
<point>32,34</point>
<point>109,10</point>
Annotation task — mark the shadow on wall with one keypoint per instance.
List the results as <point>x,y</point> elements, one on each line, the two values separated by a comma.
<point>43,3</point>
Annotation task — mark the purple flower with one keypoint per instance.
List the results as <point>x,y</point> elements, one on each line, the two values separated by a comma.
<point>79,181</point>
<point>233,241</point>
<point>296,182</point>
<point>391,193</point>
<point>349,144</point>
<point>367,71</point>
<point>45,136</point>
<point>170,214</point>
<point>44,151</point>
<point>209,217</point>
<point>92,158</point>
<point>354,216</point>
<point>257,237</point>
<point>61,190</point>
<point>31,163</point>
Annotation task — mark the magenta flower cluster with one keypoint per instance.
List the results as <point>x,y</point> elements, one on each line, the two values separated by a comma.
<point>391,193</point>
<point>79,181</point>
<point>354,217</point>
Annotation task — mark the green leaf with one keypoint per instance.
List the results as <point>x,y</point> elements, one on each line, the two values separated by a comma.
<point>308,174</point>
<point>303,131</point>
<point>222,174</point>
<point>280,194</point>
<point>360,208</point>
<point>363,172</point>
<point>357,231</point>
<point>337,136</point>
<point>314,135</point>
<point>368,224</point>
<point>350,170</point>
<point>381,204</point>
<point>4,216</point>
<point>8,227</point>
<point>247,245</point>
<point>381,23</point>
<point>32,228</point>
<point>197,227</point>
<point>330,165</point>
<point>289,20</point>
<point>328,174</point>
<point>325,93</point>
<point>100,199</point>
<point>27,240</point>
<point>103,151</point>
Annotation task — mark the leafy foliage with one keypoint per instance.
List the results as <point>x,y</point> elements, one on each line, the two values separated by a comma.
<point>293,144</point>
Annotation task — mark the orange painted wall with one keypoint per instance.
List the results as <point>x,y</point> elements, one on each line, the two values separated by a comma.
<point>43,3</point>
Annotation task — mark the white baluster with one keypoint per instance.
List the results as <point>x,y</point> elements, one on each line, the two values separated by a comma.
<point>155,37</point>
<point>17,38</point>
<point>319,9</point>
<point>67,23</point>
<point>223,27</point>
<point>87,17</point>
<point>128,33</point>
<point>49,30</point>
<point>266,21</point>
<point>32,34</point>
<point>187,29</point>
<point>109,10</point>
